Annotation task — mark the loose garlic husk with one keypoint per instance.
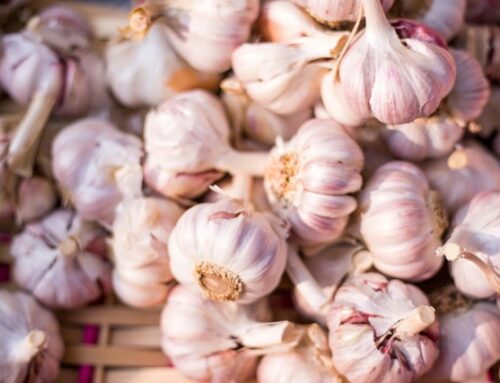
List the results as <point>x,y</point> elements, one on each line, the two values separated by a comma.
<point>141,231</point>
<point>483,11</point>
<point>54,260</point>
<point>227,251</point>
<point>382,331</point>
<point>219,342</point>
<point>285,77</point>
<point>402,221</point>
<point>404,53</point>
<point>206,32</point>
<point>36,196</point>
<point>473,247</point>
<point>308,181</point>
<point>469,170</point>
<point>88,158</point>
<point>32,346</point>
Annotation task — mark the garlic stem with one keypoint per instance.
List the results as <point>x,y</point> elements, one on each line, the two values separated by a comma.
<point>30,345</point>
<point>304,281</point>
<point>69,247</point>
<point>417,321</point>
<point>217,282</point>
<point>24,145</point>
<point>377,25</point>
<point>241,188</point>
<point>245,163</point>
<point>458,159</point>
<point>265,335</point>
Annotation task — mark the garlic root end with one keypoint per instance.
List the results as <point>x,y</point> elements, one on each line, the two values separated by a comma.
<point>418,320</point>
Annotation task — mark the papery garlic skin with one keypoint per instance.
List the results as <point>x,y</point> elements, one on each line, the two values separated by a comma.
<point>469,170</point>
<point>469,343</point>
<point>32,346</point>
<point>141,230</point>
<point>364,335</point>
<point>402,222</point>
<point>206,32</point>
<point>52,261</point>
<point>309,178</point>
<point>36,197</point>
<point>88,156</point>
<point>228,252</point>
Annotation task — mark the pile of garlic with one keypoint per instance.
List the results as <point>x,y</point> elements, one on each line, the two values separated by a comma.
<point>226,159</point>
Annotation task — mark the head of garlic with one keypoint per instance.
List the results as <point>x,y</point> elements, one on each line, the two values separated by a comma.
<point>88,158</point>
<point>219,341</point>
<point>382,331</point>
<point>32,346</point>
<point>402,221</point>
<point>36,197</point>
<point>469,170</point>
<point>141,230</point>
<point>404,53</point>
<point>228,252</point>
<point>55,261</point>
<point>206,32</point>
<point>473,247</point>
<point>309,179</point>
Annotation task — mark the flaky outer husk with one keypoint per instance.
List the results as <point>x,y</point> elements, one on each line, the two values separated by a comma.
<point>20,314</point>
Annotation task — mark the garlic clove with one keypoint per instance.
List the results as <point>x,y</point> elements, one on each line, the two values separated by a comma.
<point>140,295</point>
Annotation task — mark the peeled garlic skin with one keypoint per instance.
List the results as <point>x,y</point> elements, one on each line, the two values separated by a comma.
<point>20,314</point>
<point>207,33</point>
<point>363,309</point>
<point>183,138</point>
<point>313,194</point>
<point>458,186</point>
<point>36,197</point>
<point>86,156</point>
<point>226,234</point>
<point>469,343</point>
<point>446,17</point>
<point>402,222</point>
<point>476,229</point>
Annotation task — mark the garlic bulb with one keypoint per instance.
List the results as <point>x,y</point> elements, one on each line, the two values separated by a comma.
<point>483,11</point>
<point>54,261</point>
<point>469,343</point>
<point>285,77</point>
<point>332,12</point>
<point>469,170</point>
<point>141,230</point>
<point>404,53</point>
<point>88,158</point>
<point>206,32</point>
<point>381,331</point>
<point>219,342</point>
<point>187,145</point>
<point>228,252</point>
<point>309,178</point>
<point>36,197</point>
<point>473,246</point>
<point>402,221</point>
<point>32,345</point>
<point>147,71</point>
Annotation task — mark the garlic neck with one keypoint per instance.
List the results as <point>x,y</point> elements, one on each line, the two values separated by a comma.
<point>29,346</point>
<point>217,282</point>
<point>417,321</point>
<point>377,25</point>
<point>281,176</point>
<point>69,247</point>
<point>439,216</point>
<point>266,336</point>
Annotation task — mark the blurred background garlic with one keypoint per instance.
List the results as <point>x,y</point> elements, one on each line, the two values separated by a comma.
<point>54,259</point>
<point>402,221</point>
<point>469,170</point>
<point>32,346</point>
<point>141,230</point>
<point>88,157</point>
<point>219,341</point>
<point>382,331</point>
<point>473,246</point>
<point>483,11</point>
<point>228,252</point>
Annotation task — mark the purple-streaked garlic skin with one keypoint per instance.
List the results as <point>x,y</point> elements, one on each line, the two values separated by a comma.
<point>183,139</point>
<point>365,309</point>
<point>51,260</point>
<point>36,197</point>
<point>309,179</point>
<point>228,252</point>
<point>483,11</point>
<point>402,222</point>
<point>331,12</point>
<point>469,343</point>
<point>476,230</point>
<point>206,32</point>
<point>469,170</point>
<point>32,345</point>
<point>386,53</point>
<point>141,230</point>
<point>88,156</point>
